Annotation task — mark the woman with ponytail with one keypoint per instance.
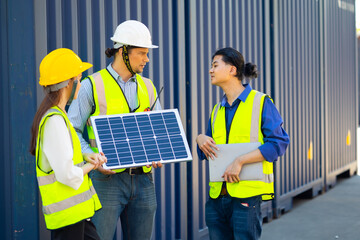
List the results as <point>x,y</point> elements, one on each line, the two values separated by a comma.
<point>233,210</point>
<point>68,197</point>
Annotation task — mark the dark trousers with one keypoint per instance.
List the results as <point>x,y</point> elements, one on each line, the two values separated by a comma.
<point>83,230</point>
<point>231,218</point>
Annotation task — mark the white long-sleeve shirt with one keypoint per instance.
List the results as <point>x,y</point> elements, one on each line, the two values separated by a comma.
<point>57,152</point>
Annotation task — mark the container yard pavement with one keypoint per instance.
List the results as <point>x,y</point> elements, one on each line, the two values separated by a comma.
<point>334,214</point>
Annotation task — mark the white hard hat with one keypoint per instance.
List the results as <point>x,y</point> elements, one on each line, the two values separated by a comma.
<point>133,33</point>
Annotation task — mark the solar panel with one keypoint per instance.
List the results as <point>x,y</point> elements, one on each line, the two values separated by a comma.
<point>137,139</point>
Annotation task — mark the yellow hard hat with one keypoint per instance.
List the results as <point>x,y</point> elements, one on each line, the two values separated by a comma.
<point>61,65</point>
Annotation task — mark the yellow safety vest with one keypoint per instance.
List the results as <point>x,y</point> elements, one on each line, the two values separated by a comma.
<point>110,99</point>
<point>245,128</point>
<point>62,205</point>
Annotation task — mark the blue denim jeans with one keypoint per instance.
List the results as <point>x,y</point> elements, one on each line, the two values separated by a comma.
<point>234,218</point>
<point>132,198</point>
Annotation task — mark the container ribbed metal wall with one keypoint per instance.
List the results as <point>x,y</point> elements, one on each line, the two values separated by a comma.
<point>340,88</point>
<point>305,52</point>
<point>297,72</point>
<point>358,80</point>
<point>18,197</point>
<point>86,27</point>
<point>211,25</point>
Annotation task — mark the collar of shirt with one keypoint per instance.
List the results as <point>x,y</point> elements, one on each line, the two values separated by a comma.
<point>242,97</point>
<point>117,76</point>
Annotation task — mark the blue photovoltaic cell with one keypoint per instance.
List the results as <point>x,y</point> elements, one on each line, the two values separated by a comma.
<point>140,138</point>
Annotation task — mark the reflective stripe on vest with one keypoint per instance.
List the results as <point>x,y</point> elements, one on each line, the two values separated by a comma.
<point>69,202</point>
<point>246,127</point>
<point>49,179</point>
<point>63,205</point>
<point>92,143</point>
<point>109,99</point>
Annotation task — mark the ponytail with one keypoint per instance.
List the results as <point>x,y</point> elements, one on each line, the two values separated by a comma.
<point>250,70</point>
<point>110,52</point>
<point>51,99</point>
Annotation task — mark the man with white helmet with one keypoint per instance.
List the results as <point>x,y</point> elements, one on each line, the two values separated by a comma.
<point>125,193</point>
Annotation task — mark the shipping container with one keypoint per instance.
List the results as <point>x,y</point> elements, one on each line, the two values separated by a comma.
<point>18,197</point>
<point>315,59</point>
<point>297,70</point>
<point>306,54</point>
<point>340,89</point>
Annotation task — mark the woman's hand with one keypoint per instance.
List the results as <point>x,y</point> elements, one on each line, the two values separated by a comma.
<point>96,159</point>
<point>207,145</point>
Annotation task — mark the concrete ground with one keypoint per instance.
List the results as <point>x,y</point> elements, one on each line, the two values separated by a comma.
<point>332,215</point>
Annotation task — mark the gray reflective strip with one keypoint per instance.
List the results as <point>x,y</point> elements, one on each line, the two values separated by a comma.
<point>215,114</point>
<point>150,89</point>
<point>100,89</point>
<point>255,118</point>
<point>254,131</point>
<point>268,178</point>
<point>49,179</point>
<point>92,143</point>
<point>45,180</point>
<point>69,202</point>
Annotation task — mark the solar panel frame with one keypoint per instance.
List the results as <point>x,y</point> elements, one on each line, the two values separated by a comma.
<point>112,139</point>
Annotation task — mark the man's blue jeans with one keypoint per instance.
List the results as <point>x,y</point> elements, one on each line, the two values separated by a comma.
<point>234,218</point>
<point>132,198</point>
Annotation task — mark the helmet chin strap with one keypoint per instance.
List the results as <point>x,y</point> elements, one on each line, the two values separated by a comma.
<point>125,56</point>
<point>72,92</point>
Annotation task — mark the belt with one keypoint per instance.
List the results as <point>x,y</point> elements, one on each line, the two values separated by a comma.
<point>134,171</point>
<point>223,189</point>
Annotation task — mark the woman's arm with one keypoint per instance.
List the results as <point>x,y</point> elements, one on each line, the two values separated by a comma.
<point>58,152</point>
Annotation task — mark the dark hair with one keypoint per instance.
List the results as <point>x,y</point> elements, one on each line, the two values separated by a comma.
<point>51,99</point>
<point>236,59</point>
<point>112,51</point>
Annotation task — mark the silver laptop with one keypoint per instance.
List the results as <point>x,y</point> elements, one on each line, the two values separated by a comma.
<point>227,154</point>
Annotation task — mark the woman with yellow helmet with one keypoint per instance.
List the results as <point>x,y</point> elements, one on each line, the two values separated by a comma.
<point>68,196</point>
